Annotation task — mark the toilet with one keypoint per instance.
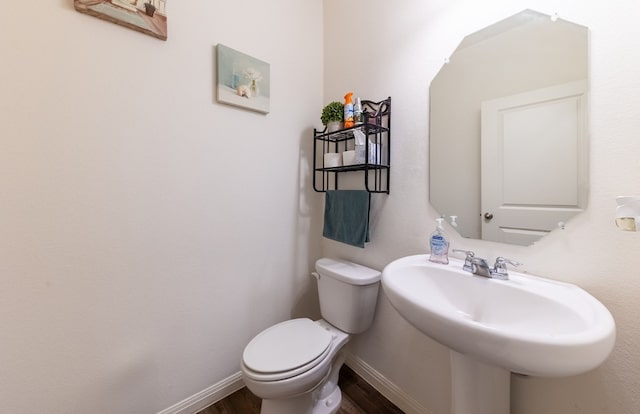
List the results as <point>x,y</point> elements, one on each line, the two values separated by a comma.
<point>293,366</point>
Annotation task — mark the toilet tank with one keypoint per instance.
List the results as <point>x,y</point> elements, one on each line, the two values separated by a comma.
<point>348,294</point>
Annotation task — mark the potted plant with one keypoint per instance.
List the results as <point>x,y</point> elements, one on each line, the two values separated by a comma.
<point>149,9</point>
<point>332,116</point>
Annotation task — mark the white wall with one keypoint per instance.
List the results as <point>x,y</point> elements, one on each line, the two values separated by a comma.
<point>397,50</point>
<point>146,231</point>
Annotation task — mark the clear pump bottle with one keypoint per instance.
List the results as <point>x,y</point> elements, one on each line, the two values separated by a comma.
<point>357,111</point>
<point>439,244</point>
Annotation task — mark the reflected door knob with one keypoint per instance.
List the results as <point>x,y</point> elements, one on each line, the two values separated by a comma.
<point>488,216</point>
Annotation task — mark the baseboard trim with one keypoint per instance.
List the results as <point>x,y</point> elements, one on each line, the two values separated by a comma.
<point>207,397</point>
<point>391,392</point>
<point>229,385</point>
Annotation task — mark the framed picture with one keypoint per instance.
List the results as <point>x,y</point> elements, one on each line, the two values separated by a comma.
<point>146,16</point>
<point>243,80</point>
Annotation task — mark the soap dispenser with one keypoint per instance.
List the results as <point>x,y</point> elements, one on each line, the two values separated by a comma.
<point>628,213</point>
<point>439,244</point>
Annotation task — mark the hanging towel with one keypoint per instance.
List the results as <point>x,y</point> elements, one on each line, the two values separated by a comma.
<point>346,216</point>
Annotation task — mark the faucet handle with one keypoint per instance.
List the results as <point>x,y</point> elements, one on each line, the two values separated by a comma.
<point>468,266</point>
<point>500,267</point>
<point>467,252</point>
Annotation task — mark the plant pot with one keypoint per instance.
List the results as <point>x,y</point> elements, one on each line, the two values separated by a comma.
<point>149,9</point>
<point>334,126</point>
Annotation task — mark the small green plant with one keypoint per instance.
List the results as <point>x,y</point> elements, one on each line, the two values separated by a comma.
<point>334,111</point>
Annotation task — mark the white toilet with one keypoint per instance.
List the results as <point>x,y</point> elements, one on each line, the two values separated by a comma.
<point>293,366</point>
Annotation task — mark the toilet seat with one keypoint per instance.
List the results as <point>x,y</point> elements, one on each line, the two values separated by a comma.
<point>286,349</point>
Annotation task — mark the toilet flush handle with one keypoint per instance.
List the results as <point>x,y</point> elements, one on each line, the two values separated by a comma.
<point>316,275</point>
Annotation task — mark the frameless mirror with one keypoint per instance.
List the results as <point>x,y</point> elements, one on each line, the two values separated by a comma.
<point>508,146</point>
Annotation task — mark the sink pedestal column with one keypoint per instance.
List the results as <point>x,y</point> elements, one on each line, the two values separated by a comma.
<point>478,388</point>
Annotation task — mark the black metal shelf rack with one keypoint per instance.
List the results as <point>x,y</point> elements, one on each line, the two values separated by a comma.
<point>376,127</point>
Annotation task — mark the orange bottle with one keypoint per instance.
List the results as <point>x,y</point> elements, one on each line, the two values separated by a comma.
<point>348,110</point>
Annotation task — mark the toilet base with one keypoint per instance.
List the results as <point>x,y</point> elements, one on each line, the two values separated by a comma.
<point>304,404</point>
<point>309,394</point>
<point>330,404</point>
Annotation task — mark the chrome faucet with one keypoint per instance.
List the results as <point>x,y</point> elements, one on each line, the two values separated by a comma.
<point>480,267</point>
<point>500,267</point>
<point>467,261</point>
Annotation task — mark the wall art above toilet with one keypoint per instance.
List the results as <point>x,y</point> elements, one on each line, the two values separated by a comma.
<point>243,80</point>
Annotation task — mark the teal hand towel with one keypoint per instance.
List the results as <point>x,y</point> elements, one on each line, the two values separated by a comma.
<point>346,216</point>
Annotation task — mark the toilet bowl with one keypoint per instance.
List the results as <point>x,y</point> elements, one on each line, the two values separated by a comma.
<point>294,365</point>
<point>301,382</point>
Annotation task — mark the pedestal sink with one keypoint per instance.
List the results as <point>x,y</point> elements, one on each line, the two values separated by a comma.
<point>527,325</point>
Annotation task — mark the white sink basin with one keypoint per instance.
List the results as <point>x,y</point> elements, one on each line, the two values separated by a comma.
<point>526,324</point>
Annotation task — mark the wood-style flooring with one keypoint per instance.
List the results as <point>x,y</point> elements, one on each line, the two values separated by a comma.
<point>358,397</point>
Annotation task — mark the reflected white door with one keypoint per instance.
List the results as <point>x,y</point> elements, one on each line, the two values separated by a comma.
<point>534,162</point>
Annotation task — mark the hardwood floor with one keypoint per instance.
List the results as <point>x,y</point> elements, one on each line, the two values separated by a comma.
<point>358,397</point>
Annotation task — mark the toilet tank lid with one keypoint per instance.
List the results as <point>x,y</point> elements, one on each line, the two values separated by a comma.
<point>347,272</point>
